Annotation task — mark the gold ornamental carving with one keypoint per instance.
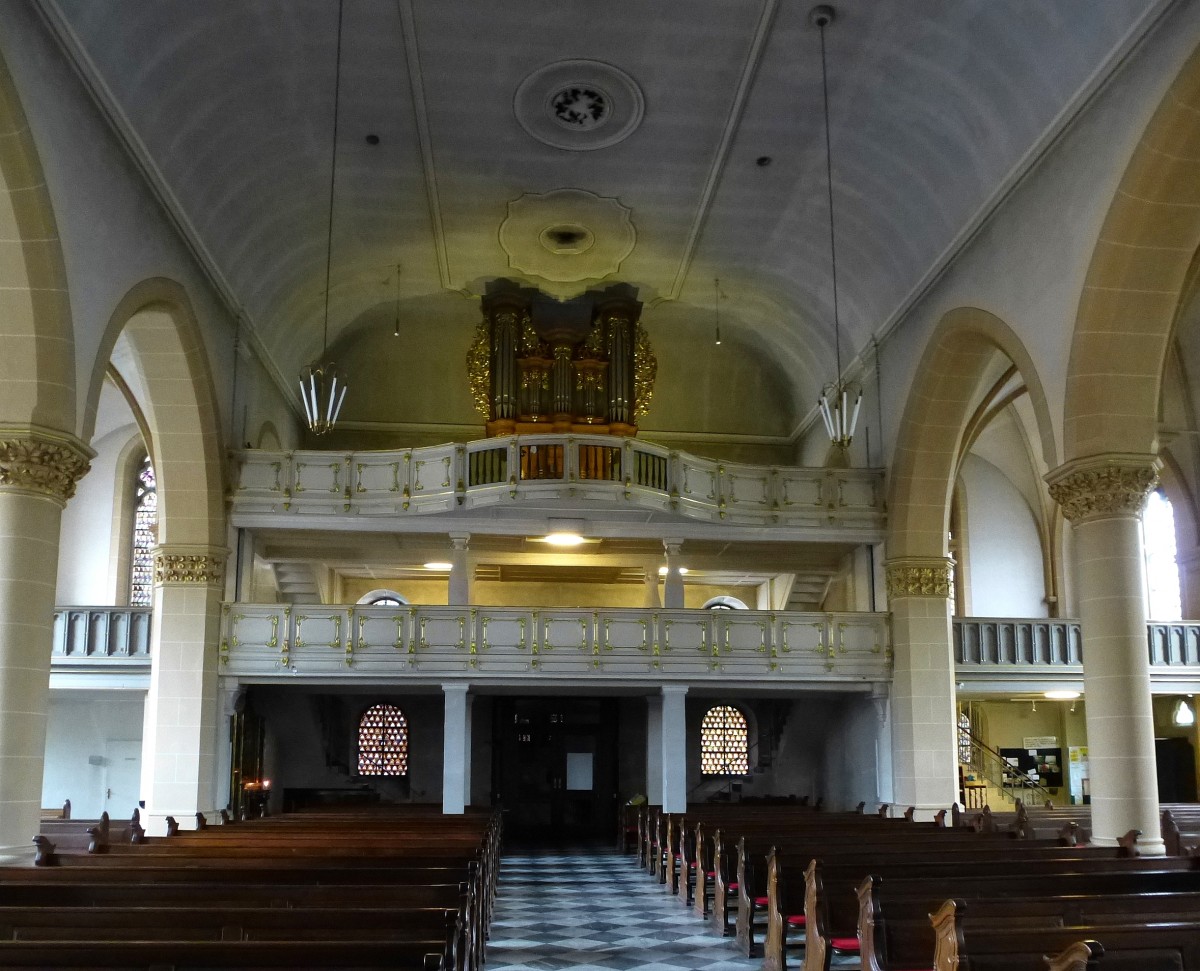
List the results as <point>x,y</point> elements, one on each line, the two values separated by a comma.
<point>479,369</point>
<point>645,370</point>
<point>920,577</point>
<point>188,567</point>
<point>41,462</point>
<point>1104,486</point>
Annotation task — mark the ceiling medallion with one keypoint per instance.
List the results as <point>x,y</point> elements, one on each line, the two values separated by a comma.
<point>579,105</point>
<point>567,236</point>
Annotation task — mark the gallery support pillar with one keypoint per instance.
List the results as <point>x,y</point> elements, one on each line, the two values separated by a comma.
<point>38,472</point>
<point>456,750</point>
<point>674,748</point>
<point>459,592</point>
<point>923,713</point>
<point>654,750</point>
<point>1102,497</point>
<point>180,763</point>
<point>673,587</point>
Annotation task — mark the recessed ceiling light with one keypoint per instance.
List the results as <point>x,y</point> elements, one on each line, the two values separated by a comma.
<point>436,565</point>
<point>564,539</point>
<point>1058,695</point>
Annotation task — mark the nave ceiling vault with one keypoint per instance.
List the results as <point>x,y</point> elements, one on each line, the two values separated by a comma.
<point>936,109</point>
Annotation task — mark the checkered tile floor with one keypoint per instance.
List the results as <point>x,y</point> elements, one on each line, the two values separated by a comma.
<point>591,909</point>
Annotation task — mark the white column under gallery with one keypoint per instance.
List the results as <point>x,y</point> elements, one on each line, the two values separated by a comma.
<point>456,750</point>
<point>38,472</point>
<point>654,750</point>
<point>458,593</point>
<point>674,748</point>
<point>673,585</point>
<point>179,750</point>
<point>924,754</point>
<point>1102,498</point>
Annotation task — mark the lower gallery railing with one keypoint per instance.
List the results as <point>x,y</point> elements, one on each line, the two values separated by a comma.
<point>503,642</point>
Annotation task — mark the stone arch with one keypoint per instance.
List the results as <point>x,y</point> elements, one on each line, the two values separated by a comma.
<point>180,408</point>
<point>935,419</point>
<point>37,369</point>
<point>1131,295</point>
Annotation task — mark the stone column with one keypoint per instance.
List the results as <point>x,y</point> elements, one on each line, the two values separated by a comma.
<point>456,750</point>
<point>654,750</point>
<point>674,749</point>
<point>924,755</point>
<point>459,593</point>
<point>673,587</point>
<point>1102,497</point>
<point>179,750</point>
<point>38,472</point>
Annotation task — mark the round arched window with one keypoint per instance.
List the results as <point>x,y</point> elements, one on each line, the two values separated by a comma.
<point>724,742</point>
<point>383,741</point>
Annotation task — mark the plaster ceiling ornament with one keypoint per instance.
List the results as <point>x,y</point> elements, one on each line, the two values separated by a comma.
<point>567,235</point>
<point>579,105</point>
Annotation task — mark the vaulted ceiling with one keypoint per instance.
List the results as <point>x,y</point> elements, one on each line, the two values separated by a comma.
<point>936,105</point>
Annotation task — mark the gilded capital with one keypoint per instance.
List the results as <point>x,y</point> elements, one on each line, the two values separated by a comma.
<point>920,576</point>
<point>39,461</point>
<point>188,565</point>
<point>1103,485</point>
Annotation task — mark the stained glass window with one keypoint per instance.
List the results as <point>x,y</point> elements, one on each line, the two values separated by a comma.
<point>964,738</point>
<point>724,742</point>
<point>145,536</point>
<point>383,741</point>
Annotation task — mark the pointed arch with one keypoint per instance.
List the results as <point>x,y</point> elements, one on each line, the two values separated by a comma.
<point>180,409</point>
<point>936,418</point>
<point>1132,293</point>
<point>37,369</point>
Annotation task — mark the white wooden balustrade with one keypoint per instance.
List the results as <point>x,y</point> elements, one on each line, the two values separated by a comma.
<point>497,471</point>
<point>497,643</point>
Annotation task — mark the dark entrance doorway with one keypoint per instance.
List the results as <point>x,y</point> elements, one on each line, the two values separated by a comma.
<point>1176,761</point>
<point>554,767</point>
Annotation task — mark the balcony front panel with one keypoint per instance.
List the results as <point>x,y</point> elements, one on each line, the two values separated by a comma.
<point>431,644</point>
<point>579,468</point>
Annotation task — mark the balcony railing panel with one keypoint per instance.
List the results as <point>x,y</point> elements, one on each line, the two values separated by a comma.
<point>266,640</point>
<point>101,633</point>
<point>581,467</point>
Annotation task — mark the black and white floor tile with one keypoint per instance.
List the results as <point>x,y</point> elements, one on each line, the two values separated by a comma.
<point>592,910</point>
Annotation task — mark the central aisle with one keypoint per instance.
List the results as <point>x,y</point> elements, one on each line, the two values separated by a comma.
<point>595,909</point>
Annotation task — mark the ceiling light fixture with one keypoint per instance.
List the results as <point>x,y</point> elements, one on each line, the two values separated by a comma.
<point>835,397</point>
<point>1060,695</point>
<point>564,539</point>
<point>717,308</point>
<point>662,571</point>
<point>439,566</point>
<point>322,386</point>
<point>396,331</point>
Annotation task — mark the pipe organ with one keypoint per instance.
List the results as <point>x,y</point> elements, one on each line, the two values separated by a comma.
<point>538,364</point>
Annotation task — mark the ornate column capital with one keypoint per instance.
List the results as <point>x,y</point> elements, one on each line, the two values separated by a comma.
<point>1103,485</point>
<point>919,576</point>
<point>41,462</point>
<point>175,565</point>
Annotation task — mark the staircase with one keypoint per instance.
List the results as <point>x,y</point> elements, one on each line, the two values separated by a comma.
<point>1014,785</point>
<point>296,582</point>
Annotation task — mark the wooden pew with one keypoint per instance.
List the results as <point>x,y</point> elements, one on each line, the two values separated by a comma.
<point>1157,946</point>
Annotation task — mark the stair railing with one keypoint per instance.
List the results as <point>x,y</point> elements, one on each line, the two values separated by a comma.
<point>1014,784</point>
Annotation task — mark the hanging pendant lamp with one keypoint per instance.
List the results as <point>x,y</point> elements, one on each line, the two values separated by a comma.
<point>838,411</point>
<point>322,385</point>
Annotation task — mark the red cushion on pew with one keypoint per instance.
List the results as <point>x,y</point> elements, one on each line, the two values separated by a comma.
<point>761,901</point>
<point>711,874</point>
<point>844,943</point>
<point>731,886</point>
<point>796,920</point>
